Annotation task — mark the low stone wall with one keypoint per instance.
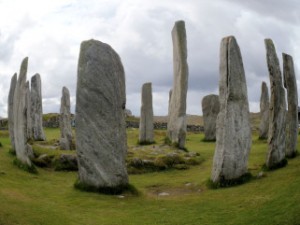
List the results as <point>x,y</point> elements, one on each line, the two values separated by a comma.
<point>163,126</point>
<point>53,122</point>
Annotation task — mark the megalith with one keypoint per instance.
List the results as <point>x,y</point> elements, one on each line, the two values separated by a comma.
<point>233,122</point>
<point>176,130</point>
<point>28,111</point>
<point>290,84</point>
<point>210,110</point>
<point>23,149</point>
<point>65,120</point>
<point>264,112</point>
<point>277,113</point>
<point>101,142</point>
<point>146,118</point>
<point>10,110</point>
<point>37,108</point>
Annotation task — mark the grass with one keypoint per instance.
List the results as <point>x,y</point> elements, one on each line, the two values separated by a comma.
<point>49,197</point>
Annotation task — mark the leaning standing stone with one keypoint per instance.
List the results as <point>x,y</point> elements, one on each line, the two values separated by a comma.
<point>65,120</point>
<point>177,108</point>
<point>100,121</point>
<point>23,150</point>
<point>233,123</point>
<point>37,108</point>
<point>10,110</point>
<point>264,112</point>
<point>292,114</point>
<point>210,109</point>
<point>277,136</point>
<point>146,120</point>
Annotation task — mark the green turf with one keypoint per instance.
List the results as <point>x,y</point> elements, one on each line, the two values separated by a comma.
<point>49,198</point>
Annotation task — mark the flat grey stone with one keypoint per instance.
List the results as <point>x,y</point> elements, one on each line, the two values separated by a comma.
<point>277,116</point>
<point>101,142</point>
<point>290,84</point>
<point>233,123</point>
<point>264,112</point>
<point>146,132</point>
<point>210,110</point>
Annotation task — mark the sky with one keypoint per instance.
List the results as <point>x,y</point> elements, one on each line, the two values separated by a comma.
<point>50,33</point>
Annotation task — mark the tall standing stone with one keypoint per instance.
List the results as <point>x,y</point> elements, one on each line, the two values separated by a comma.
<point>277,116</point>
<point>264,112</point>
<point>23,149</point>
<point>292,114</point>
<point>100,121</point>
<point>210,109</point>
<point>65,120</point>
<point>10,110</point>
<point>146,119</point>
<point>177,108</point>
<point>233,122</point>
<point>37,108</point>
<point>28,111</point>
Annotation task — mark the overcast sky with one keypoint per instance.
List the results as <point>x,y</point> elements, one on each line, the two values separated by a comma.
<point>50,33</point>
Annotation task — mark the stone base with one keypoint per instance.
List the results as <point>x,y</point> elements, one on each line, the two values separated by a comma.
<point>229,183</point>
<point>117,190</point>
<point>278,165</point>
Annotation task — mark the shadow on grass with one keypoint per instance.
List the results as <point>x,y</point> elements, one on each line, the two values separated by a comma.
<point>117,190</point>
<point>223,183</point>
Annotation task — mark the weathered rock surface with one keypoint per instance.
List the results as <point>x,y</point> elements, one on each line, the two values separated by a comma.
<point>277,116</point>
<point>146,119</point>
<point>28,111</point>
<point>264,112</point>
<point>101,143</point>
<point>23,149</point>
<point>233,122</point>
<point>210,110</point>
<point>65,120</point>
<point>10,110</point>
<point>292,114</point>
<point>37,108</point>
<point>177,107</point>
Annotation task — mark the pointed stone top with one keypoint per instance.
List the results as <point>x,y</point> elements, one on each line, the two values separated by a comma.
<point>65,90</point>
<point>23,70</point>
<point>36,76</point>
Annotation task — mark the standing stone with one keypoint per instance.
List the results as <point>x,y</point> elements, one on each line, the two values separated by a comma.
<point>28,111</point>
<point>264,112</point>
<point>233,121</point>
<point>65,120</point>
<point>10,110</point>
<point>277,136</point>
<point>37,108</point>
<point>292,114</point>
<point>177,108</point>
<point>23,149</point>
<point>146,120</point>
<point>210,109</point>
<point>101,142</point>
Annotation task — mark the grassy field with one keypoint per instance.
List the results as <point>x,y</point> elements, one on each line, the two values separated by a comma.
<point>48,198</point>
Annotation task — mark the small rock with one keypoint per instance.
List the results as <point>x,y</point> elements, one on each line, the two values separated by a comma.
<point>121,196</point>
<point>260,174</point>
<point>188,184</point>
<point>163,194</point>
